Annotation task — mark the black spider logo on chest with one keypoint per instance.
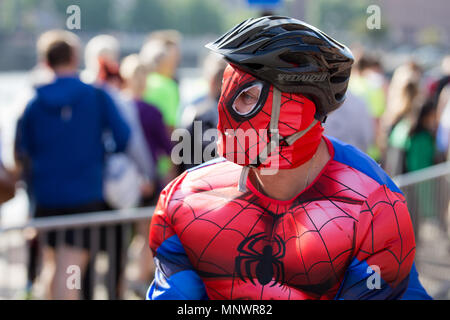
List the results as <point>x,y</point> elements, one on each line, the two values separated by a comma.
<point>268,263</point>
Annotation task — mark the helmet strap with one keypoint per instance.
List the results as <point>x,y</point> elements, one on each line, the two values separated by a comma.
<point>293,138</point>
<point>275,138</point>
<point>242,186</point>
<point>270,147</point>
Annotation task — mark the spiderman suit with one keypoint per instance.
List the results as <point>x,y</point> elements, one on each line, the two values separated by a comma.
<point>211,241</point>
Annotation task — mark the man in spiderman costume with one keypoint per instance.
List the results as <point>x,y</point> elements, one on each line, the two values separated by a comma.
<point>289,213</point>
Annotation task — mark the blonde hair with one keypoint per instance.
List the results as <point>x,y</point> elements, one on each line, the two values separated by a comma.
<point>161,50</point>
<point>168,37</point>
<point>101,46</point>
<point>153,53</point>
<point>134,74</point>
<point>404,92</point>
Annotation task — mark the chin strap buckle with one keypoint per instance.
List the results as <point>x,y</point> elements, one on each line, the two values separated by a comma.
<point>277,139</point>
<point>242,187</point>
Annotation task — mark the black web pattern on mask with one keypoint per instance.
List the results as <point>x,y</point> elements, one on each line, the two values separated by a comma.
<point>289,97</point>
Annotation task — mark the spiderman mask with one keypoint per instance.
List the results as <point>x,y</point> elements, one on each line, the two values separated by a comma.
<point>263,128</point>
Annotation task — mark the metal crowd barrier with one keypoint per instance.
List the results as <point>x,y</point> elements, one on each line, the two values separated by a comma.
<point>428,195</point>
<point>104,233</point>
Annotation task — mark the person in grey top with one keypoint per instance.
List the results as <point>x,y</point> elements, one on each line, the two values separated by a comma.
<point>352,123</point>
<point>102,67</point>
<point>202,114</point>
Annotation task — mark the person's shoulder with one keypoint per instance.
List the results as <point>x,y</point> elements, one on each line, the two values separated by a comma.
<point>214,164</point>
<point>148,108</point>
<point>199,101</point>
<point>69,81</point>
<point>213,175</point>
<point>364,167</point>
<point>32,101</point>
<point>149,115</point>
<point>195,110</point>
<point>160,81</point>
<point>89,87</point>
<point>35,97</point>
<point>383,209</point>
<point>73,86</point>
<point>423,136</point>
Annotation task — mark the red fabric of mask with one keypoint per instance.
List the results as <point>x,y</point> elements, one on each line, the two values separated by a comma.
<point>244,131</point>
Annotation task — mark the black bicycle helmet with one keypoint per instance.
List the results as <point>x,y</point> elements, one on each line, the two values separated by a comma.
<point>293,56</point>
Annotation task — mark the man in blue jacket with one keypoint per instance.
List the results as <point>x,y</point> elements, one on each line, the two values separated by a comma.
<point>60,144</point>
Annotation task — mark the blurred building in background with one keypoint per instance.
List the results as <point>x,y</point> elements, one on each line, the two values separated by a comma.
<point>405,24</point>
<point>417,23</point>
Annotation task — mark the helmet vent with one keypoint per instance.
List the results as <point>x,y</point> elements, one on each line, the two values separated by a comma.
<point>293,27</point>
<point>339,96</point>
<point>254,66</point>
<point>333,71</point>
<point>298,60</point>
<point>312,40</point>
<point>338,79</point>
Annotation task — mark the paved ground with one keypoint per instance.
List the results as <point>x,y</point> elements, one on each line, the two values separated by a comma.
<point>433,261</point>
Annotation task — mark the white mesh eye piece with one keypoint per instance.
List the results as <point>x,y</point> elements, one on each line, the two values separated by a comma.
<point>247,99</point>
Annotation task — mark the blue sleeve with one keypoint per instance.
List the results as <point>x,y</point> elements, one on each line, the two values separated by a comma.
<point>22,146</point>
<point>175,278</point>
<point>415,289</point>
<point>114,121</point>
<point>360,283</point>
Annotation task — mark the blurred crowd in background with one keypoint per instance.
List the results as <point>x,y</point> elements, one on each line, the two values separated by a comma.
<point>100,139</point>
<point>400,121</point>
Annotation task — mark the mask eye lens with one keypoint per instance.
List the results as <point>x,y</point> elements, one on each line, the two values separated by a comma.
<point>247,100</point>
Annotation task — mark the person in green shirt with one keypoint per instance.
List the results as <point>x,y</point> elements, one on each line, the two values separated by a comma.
<point>161,56</point>
<point>414,138</point>
<point>162,92</point>
<point>412,147</point>
<point>404,105</point>
<point>420,151</point>
<point>420,145</point>
<point>368,83</point>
